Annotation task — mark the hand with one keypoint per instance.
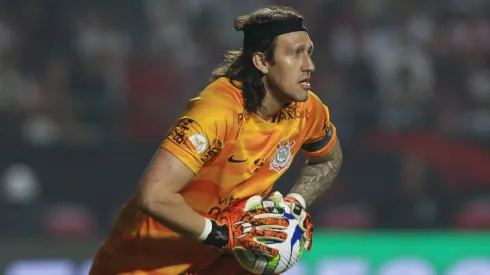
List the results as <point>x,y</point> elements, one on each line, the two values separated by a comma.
<point>299,212</point>
<point>248,224</point>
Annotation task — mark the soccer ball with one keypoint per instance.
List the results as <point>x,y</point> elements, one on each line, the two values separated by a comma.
<point>290,251</point>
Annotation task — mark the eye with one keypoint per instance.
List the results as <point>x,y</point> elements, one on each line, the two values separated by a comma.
<point>310,51</point>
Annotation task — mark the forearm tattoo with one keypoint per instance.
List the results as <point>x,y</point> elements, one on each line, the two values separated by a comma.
<point>314,179</point>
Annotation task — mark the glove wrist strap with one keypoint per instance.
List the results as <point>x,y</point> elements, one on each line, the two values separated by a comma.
<point>218,235</point>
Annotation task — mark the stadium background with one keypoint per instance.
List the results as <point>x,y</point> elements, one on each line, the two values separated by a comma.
<point>89,88</point>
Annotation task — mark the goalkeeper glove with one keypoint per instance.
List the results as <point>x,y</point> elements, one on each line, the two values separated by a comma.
<point>297,208</point>
<point>247,224</point>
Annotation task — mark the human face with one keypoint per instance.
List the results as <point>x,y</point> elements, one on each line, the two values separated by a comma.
<point>288,77</point>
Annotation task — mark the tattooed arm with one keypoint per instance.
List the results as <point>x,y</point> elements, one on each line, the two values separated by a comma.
<point>318,174</point>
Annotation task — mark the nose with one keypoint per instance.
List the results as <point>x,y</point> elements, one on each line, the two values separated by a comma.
<point>308,65</point>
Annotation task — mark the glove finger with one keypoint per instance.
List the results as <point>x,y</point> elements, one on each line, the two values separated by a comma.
<point>268,234</point>
<point>263,249</point>
<point>309,234</point>
<point>276,197</point>
<point>258,248</point>
<point>253,202</point>
<point>302,220</point>
<point>307,245</point>
<point>308,225</point>
<point>268,215</point>
<point>305,226</point>
<point>308,239</point>
<point>273,222</point>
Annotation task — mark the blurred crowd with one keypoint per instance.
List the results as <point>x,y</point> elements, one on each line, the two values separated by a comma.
<point>407,83</point>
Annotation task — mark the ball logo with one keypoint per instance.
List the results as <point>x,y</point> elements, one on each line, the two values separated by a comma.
<point>283,157</point>
<point>199,142</point>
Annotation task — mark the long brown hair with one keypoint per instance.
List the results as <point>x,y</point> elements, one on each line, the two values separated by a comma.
<point>238,64</point>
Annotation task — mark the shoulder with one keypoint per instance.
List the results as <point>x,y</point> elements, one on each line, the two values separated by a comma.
<point>219,105</point>
<point>221,96</point>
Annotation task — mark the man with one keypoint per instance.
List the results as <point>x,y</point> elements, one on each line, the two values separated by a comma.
<point>234,140</point>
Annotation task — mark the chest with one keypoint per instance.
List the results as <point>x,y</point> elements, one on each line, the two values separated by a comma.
<point>260,152</point>
<point>256,148</point>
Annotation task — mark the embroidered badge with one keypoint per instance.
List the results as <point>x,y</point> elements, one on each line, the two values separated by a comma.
<point>283,157</point>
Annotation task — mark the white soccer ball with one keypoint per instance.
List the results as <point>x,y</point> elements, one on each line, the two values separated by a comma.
<point>290,251</point>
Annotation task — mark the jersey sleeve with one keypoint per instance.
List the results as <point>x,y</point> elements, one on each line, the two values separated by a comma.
<point>321,133</point>
<point>200,133</point>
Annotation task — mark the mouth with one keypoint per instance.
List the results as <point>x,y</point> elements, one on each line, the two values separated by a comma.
<point>305,83</point>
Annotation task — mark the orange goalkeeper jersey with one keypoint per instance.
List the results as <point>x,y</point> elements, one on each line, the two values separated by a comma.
<point>234,155</point>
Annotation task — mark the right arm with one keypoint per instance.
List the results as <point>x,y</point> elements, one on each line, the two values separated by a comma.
<point>181,156</point>
<point>158,194</point>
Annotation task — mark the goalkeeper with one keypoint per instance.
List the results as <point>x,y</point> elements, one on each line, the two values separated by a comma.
<point>233,141</point>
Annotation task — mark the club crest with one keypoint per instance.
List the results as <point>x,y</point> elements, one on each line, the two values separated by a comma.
<point>283,157</point>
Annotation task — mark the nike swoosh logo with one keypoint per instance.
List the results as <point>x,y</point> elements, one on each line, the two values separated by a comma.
<point>232,160</point>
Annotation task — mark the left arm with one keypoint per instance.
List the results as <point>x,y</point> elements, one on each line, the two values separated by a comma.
<point>318,174</point>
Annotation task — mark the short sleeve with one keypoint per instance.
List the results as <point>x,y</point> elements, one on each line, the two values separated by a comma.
<point>200,133</point>
<point>321,133</point>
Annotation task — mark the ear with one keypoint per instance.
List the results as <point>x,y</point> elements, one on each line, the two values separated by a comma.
<point>260,63</point>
